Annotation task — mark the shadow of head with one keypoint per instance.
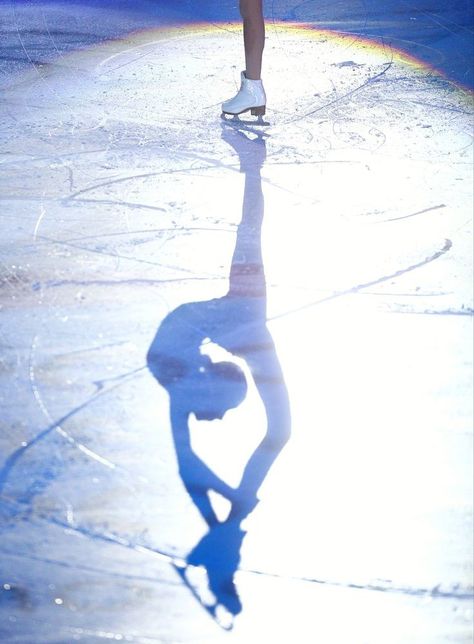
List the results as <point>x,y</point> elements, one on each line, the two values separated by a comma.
<point>221,386</point>
<point>204,388</point>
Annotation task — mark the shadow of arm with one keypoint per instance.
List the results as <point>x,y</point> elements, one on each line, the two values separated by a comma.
<point>271,387</point>
<point>197,477</point>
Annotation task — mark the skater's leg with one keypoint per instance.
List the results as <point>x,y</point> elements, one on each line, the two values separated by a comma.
<point>251,95</point>
<point>254,36</point>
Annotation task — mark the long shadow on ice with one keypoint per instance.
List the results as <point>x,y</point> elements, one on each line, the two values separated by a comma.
<point>207,389</point>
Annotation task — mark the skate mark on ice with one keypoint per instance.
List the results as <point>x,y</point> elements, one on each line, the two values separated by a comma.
<point>412,101</point>
<point>56,425</point>
<point>355,289</point>
<point>37,66</point>
<point>358,139</point>
<point>408,294</point>
<point>63,199</point>
<point>209,163</point>
<point>154,231</point>
<point>457,591</point>
<point>124,52</point>
<point>39,220</point>
<point>53,41</point>
<point>108,635</point>
<point>456,26</point>
<point>462,312</point>
<point>35,158</point>
<point>115,202</point>
<point>342,97</point>
<point>126,282</point>
<point>351,290</point>
<point>120,257</point>
<point>151,43</point>
<point>379,585</point>
<point>414,214</point>
<point>102,572</point>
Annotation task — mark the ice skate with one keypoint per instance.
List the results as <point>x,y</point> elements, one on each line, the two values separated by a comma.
<point>250,98</point>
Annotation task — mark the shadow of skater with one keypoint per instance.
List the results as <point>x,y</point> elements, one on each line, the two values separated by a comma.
<point>196,385</point>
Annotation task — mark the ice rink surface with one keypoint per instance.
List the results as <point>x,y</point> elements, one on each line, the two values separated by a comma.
<point>310,281</point>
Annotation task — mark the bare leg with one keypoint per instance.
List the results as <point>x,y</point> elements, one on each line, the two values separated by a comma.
<point>254,36</point>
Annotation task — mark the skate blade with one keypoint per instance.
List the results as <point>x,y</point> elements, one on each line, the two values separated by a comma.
<point>235,119</point>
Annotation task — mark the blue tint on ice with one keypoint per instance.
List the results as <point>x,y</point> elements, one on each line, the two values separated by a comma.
<point>440,34</point>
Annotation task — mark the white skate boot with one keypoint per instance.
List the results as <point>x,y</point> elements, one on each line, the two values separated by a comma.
<point>251,96</point>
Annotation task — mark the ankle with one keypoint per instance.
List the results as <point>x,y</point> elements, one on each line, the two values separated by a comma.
<point>250,76</point>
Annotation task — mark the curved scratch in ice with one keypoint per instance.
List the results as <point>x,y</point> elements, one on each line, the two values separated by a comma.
<point>119,256</point>
<point>129,282</point>
<point>38,223</point>
<point>413,214</point>
<point>56,426</point>
<point>355,289</point>
<point>137,48</point>
<point>339,99</point>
